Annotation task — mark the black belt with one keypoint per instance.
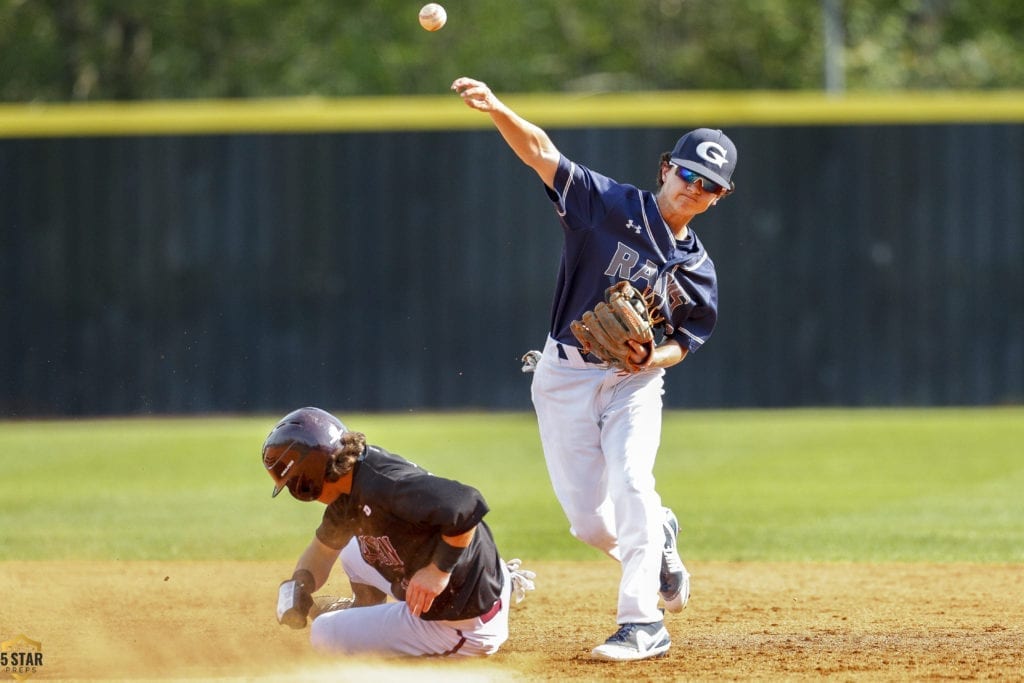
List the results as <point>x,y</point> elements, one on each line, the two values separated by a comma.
<point>587,358</point>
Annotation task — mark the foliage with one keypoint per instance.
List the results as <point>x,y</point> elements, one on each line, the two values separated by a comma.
<point>905,485</point>
<point>934,44</point>
<point>52,50</point>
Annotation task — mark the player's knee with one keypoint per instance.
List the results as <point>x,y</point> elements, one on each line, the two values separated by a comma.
<point>320,635</point>
<point>593,532</point>
<point>334,633</point>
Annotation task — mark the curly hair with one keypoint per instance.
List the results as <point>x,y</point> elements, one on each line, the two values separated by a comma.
<point>666,160</point>
<point>353,444</point>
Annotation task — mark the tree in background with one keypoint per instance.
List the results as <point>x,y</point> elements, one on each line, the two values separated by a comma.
<point>53,50</point>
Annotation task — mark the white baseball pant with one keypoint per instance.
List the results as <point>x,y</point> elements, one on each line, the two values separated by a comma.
<point>391,628</point>
<point>600,432</point>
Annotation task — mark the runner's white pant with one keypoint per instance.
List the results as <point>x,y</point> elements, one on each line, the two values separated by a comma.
<point>600,432</point>
<point>392,629</point>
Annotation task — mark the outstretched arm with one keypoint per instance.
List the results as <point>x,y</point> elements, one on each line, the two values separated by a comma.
<point>317,559</point>
<point>295,596</point>
<point>528,141</point>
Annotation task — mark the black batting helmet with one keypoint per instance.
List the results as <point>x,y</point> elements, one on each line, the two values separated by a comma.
<point>299,449</point>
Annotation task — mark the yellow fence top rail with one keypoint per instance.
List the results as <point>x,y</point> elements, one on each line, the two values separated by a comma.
<point>446,112</point>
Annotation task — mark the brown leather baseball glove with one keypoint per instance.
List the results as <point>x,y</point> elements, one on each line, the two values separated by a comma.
<point>619,326</point>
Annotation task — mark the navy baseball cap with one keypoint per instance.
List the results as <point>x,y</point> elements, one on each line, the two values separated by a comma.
<point>708,152</point>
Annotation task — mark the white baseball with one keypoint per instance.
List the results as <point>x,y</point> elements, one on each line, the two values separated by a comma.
<point>432,16</point>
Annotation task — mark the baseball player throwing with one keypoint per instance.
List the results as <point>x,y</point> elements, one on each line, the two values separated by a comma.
<point>400,532</point>
<point>599,422</point>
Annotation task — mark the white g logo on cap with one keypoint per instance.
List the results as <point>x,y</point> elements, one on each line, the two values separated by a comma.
<point>713,153</point>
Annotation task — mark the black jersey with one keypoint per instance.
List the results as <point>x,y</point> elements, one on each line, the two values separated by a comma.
<point>398,511</point>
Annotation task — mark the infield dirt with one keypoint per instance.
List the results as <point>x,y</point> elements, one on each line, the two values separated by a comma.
<point>746,620</point>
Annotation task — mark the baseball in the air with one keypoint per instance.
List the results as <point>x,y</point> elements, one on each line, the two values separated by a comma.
<point>432,16</point>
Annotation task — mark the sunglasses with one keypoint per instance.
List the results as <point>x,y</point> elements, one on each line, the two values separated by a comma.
<point>690,178</point>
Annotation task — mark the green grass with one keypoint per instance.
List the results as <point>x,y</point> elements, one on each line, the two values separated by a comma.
<point>828,485</point>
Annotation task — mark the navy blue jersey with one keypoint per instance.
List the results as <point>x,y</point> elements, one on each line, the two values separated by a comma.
<point>397,511</point>
<point>614,231</point>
